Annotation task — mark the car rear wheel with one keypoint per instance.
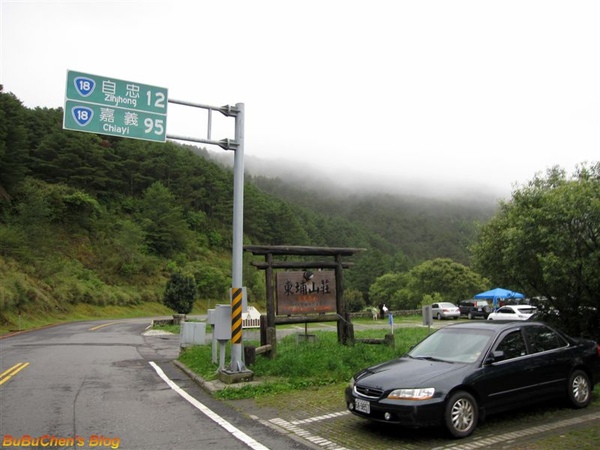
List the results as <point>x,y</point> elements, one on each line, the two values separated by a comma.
<point>461,415</point>
<point>469,316</point>
<point>579,390</point>
<point>439,316</point>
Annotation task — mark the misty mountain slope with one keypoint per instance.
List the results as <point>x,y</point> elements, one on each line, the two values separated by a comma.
<point>419,226</point>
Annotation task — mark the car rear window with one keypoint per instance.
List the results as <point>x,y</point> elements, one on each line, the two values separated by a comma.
<point>541,339</point>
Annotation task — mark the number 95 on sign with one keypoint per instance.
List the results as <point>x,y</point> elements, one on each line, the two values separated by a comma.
<point>112,121</point>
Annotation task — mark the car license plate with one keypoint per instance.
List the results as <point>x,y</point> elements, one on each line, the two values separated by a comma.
<point>362,406</point>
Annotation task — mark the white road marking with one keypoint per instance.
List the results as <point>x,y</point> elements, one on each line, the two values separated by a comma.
<point>319,418</point>
<point>240,435</point>
<point>306,435</point>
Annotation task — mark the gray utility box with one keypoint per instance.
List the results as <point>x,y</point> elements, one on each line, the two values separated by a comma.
<point>193,333</point>
<point>210,317</point>
<point>222,318</point>
<point>427,315</point>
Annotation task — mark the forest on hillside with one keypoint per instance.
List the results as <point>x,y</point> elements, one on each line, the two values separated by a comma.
<point>103,220</point>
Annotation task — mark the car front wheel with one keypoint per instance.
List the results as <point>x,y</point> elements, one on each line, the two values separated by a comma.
<point>579,390</point>
<point>461,415</point>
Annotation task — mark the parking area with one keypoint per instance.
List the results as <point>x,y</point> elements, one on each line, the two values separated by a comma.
<point>318,418</point>
<point>329,426</point>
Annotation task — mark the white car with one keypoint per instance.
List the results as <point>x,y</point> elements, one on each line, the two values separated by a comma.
<point>445,310</point>
<point>513,312</point>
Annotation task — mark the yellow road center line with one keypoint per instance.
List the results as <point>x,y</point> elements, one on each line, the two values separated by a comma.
<point>101,326</point>
<point>8,374</point>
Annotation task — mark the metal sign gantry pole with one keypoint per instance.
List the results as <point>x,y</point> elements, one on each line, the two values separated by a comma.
<point>237,145</point>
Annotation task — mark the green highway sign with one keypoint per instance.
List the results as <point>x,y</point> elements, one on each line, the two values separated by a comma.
<point>99,119</point>
<point>103,105</point>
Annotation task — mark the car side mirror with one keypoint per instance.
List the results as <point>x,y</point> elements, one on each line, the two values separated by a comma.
<point>495,356</point>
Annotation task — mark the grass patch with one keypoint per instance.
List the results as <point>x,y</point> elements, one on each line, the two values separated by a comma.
<point>303,365</point>
<point>175,329</point>
<point>581,439</point>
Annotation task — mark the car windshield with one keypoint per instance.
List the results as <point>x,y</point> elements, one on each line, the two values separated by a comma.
<point>453,345</point>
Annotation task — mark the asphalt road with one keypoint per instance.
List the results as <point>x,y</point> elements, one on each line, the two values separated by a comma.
<point>104,385</point>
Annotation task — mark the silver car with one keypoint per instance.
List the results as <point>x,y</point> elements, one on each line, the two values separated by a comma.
<point>445,310</point>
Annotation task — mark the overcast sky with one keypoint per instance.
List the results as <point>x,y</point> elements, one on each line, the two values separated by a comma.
<point>443,93</point>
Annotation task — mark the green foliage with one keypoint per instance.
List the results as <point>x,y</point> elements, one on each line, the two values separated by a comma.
<point>81,209</point>
<point>162,220</point>
<point>211,282</point>
<point>124,249</point>
<point>79,160</point>
<point>386,289</point>
<point>299,365</point>
<point>451,280</point>
<point>428,299</point>
<point>367,268</point>
<point>13,139</point>
<point>419,228</point>
<point>18,291</point>
<point>274,221</point>
<point>545,242</point>
<point>180,293</point>
<point>13,241</point>
<point>354,300</point>
<point>441,279</point>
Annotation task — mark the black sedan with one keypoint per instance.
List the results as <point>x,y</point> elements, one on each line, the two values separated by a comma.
<point>462,372</point>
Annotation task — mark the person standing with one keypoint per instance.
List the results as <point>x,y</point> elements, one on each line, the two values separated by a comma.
<point>374,312</point>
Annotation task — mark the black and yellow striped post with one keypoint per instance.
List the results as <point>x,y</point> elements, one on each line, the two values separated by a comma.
<point>237,364</point>
<point>236,315</point>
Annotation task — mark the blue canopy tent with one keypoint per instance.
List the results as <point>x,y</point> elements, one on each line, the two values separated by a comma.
<point>498,293</point>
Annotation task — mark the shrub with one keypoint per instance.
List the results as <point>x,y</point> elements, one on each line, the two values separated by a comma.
<point>354,300</point>
<point>180,293</point>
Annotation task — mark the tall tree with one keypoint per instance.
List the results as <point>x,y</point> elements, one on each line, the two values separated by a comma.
<point>77,159</point>
<point>180,293</point>
<point>386,290</point>
<point>452,280</point>
<point>166,230</point>
<point>546,242</point>
<point>368,267</point>
<point>13,143</point>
